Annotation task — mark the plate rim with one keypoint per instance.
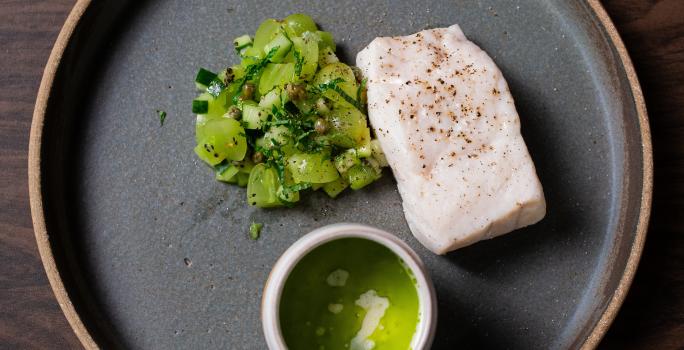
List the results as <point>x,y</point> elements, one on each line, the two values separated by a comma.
<point>77,324</point>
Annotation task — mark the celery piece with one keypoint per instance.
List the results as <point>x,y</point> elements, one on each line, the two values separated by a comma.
<point>262,187</point>
<point>334,188</point>
<point>312,168</point>
<point>283,45</point>
<point>361,175</point>
<point>346,160</point>
<point>276,74</point>
<point>298,23</point>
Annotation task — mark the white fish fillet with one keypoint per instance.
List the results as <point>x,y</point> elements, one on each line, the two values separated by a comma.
<point>446,121</point>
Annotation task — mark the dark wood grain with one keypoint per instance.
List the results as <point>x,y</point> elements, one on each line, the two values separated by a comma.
<point>29,314</point>
<point>652,316</point>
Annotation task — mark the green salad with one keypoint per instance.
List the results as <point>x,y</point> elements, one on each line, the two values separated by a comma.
<point>288,118</point>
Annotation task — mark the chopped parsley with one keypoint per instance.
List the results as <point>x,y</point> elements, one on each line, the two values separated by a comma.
<point>162,117</point>
<point>299,63</point>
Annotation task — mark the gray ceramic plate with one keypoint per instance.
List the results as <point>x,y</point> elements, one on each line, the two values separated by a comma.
<point>145,250</point>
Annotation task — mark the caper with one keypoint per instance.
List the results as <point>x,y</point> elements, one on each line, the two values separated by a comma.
<point>234,112</point>
<point>229,76</point>
<point>258,157</point>
<point>322,106</point>
<point>321,126</point>
<point>247,91</point>
<point>296,92</point>
<point>358,74</point>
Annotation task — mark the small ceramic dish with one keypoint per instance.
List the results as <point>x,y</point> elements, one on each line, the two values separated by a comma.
<point>270,304</point>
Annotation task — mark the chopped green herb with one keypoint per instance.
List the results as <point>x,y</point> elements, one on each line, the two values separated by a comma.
<point>162,117</point>
<point>299,63</point>
<point>255,230</point>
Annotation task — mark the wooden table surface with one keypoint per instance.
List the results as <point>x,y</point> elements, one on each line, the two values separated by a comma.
<point>651,318</point>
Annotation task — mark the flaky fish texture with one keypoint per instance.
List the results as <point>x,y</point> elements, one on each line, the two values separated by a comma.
<point>446,121</point>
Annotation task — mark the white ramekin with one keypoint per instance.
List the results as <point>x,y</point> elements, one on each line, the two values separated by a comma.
<point>270,319</point>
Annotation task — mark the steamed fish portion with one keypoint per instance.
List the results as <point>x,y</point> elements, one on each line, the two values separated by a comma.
<point>446,121</point>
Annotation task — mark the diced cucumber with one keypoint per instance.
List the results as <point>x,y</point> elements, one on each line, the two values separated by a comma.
<point>312,168</point>
<point>334,188</point>
<point>361,175</point>
<point>203,78</point>
<point>200,107</point>
<point>276,74</point>
<point>278,136</point>
<point>287,195</point>
<point>262,187</point>
<point>272,98</point>
<point>199,127</point>
<point>243,103</point>
<point>377,153</point>
<point>253,117</point>
<point>242,42</point>
<point>346,160</point>
<point>283,45</point>
<point>374,164</point>
<point>227,173</point>
<point>364,150</point>
<point>214,106</point>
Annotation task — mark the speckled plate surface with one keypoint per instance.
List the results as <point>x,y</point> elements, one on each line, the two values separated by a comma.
<point>145,250</point>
